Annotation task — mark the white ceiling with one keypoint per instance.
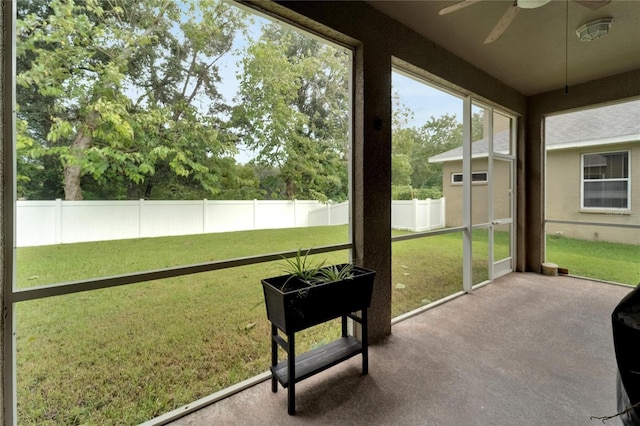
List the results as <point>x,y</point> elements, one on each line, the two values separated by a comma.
<point>532,54</point>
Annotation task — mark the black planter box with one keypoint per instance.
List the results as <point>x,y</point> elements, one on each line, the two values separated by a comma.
<point>306,305</point>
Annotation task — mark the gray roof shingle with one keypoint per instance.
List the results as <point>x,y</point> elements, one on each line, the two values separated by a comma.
<point>594,124</point>
<point>620,122</point>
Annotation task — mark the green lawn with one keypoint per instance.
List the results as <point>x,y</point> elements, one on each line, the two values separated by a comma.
<point>124,355</point>
<point>605,261</point>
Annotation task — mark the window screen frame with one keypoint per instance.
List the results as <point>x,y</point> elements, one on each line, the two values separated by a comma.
<point>473,174</point>
<point>626,179</point>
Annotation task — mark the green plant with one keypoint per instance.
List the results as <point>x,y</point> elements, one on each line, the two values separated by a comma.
<point>336,272</point>
<point>302,268</point>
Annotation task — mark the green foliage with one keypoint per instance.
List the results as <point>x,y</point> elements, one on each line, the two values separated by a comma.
<point>294,112</point>
<point>121,100</point>
<point>407,192</point>
<point>242,184</point>
<point>113,91</point>
<point>401,170</point>
<point>436,136</point>
<point>413,176</point>
<point>336,272</point>
<point>313,272</point>
<point>301,267</point>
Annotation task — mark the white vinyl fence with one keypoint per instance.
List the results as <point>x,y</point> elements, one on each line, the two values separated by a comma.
<point>418,215</point>
<point>330,214</point>
<point>58,222</point>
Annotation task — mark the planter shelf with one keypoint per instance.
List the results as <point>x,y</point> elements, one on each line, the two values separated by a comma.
<point>307,306</point>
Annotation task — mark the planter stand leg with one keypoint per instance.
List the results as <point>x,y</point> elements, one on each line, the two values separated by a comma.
<point>274,358</point>
<point>291,361</point>
<point>365,343</point>
<point>344,326</point>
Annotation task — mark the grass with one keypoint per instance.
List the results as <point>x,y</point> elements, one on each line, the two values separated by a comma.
<point>124,355</point>
<point>438,258</point>
<point>605,261</point>
<point>427,269</point>
<point>70,262</point>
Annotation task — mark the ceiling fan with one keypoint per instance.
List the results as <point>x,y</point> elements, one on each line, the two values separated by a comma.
<point>513,10</point>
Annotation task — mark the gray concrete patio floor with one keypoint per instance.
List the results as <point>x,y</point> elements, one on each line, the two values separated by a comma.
<point>525,350</point>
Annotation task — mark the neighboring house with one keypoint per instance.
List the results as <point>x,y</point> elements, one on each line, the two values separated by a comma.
<point>452,178</point>
<point>592,174</point>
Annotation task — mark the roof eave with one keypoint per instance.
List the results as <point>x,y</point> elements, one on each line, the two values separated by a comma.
<point>594,142</point>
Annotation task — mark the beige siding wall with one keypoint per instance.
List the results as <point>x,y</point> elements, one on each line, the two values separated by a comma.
<point>452,193</point>
<point>563,197</point>
<point>480,194</point>
<point>502,190</point>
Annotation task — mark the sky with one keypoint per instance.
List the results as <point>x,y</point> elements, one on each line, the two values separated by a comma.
<point>424,100</point>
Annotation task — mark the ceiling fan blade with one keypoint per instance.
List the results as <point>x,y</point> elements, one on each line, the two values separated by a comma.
<point>503,23</point>
<point>531,4</point>
<point>457,6</point>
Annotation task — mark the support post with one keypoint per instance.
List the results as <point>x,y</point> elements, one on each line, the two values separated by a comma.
<point>371,192</point>
<point>467,201</point>
<point>365,342</point>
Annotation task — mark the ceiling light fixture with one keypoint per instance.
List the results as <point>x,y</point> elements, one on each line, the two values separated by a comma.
<point>531,4</point>
<point>594,29</point>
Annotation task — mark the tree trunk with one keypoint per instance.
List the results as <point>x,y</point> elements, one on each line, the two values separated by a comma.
<point>147,191</point>
<point>290,189</point>
<point>73,172</point>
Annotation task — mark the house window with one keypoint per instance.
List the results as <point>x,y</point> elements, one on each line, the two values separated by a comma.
<point>476,177</point>
<point>605,180</point>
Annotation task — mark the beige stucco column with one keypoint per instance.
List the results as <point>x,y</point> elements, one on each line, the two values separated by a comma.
<point>371,191</point>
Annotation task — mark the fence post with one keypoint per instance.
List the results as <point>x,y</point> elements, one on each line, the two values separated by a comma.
<point>295,212</point>
<point>140,216</point>
<point>443,212</point>
<point>58,221</point>
<point>429,224</point>
<point>328,214</point>
<point>204,216</point>
<point>414,215</point>
<point>255,213</point>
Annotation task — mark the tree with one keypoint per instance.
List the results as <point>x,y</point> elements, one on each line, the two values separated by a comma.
<point>293,111</point>
<point>412,174</point>
<point>37,177</point>
<point>436,136</point>
<point>180,75</point>
<point>134,92</point>
<point>403,141</point>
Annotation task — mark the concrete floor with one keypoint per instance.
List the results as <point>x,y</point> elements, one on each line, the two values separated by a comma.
<point>525,350</point>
